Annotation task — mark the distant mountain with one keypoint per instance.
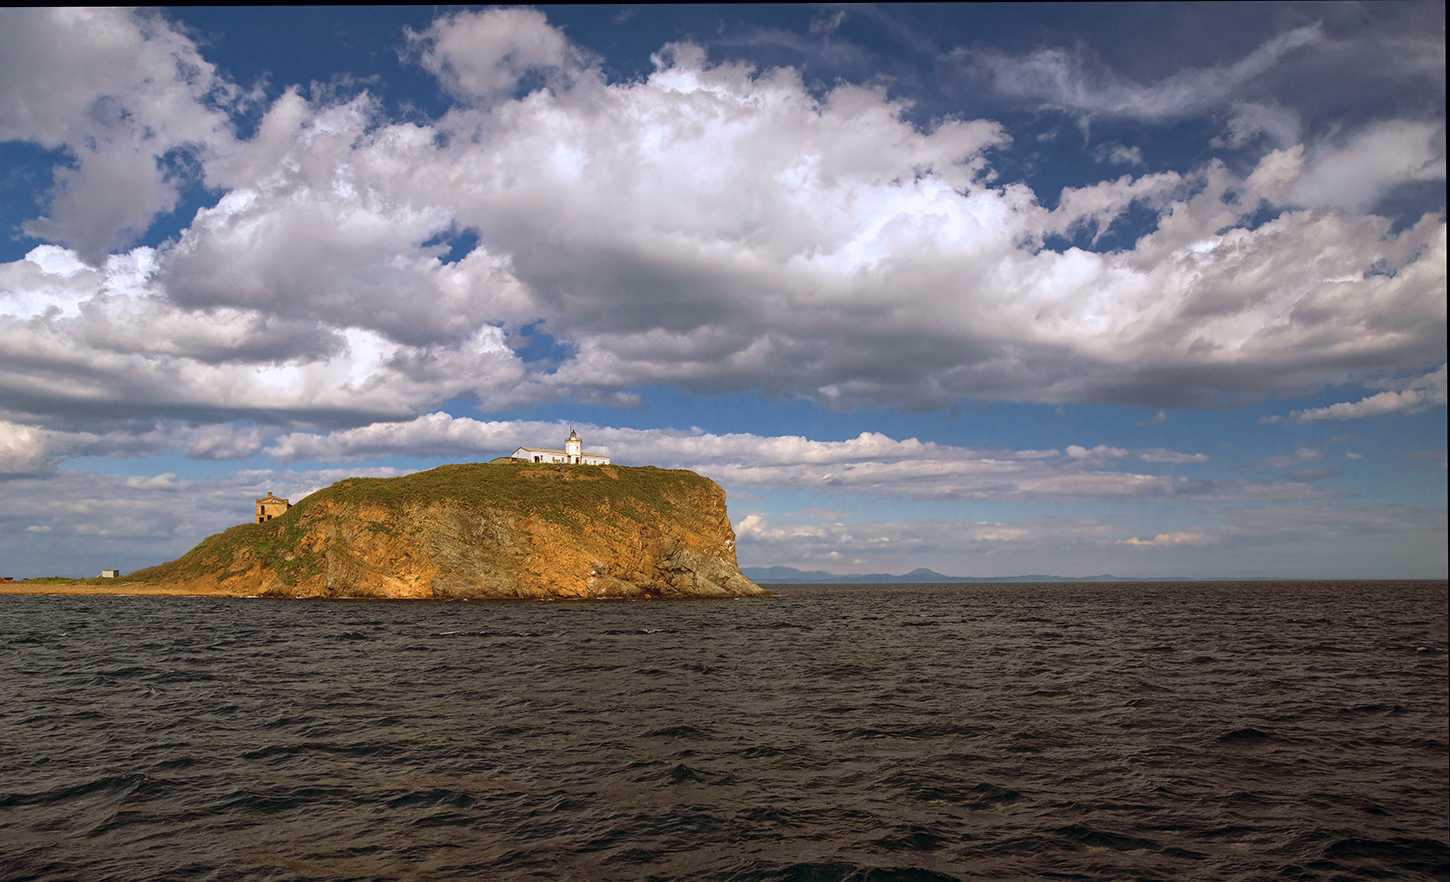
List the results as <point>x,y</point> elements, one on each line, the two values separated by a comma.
<point>918,576</point>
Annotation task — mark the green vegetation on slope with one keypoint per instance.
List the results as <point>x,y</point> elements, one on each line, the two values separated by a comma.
<point>551,492</point>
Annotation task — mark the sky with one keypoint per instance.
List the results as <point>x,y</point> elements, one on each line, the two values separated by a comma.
<point>995,289</point>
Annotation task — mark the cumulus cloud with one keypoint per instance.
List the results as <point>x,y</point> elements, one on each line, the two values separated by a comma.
<point>110,344</point>
<point>120,92</point>
<point>1419,394</point>
<point>711,226</point>
<point>25,450</point>
<point>483,55</point>
<point>727,230</point>
<point>1355,172</point>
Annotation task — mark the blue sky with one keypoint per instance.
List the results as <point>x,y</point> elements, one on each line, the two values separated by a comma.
<point>992,289</point>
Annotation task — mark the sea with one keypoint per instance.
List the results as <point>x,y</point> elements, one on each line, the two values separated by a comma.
<point>1105,731</point>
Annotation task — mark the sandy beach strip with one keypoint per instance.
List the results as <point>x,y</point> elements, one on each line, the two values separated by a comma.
<point>103,587</point>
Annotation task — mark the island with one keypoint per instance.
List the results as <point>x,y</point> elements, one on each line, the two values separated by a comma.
<point>476,531</point>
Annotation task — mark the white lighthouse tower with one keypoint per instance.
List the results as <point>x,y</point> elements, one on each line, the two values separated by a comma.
<point>574,448</point>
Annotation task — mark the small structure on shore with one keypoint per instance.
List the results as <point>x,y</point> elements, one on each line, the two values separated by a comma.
<point>269,507</point>
<point>110,574</point>
<point>572,454</point>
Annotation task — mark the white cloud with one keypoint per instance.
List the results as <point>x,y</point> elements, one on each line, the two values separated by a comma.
<point>1158,454</point>
<point>711,227</point>
<point>315,230</point>
<point>1070,81</point>
<point>896,546</point>
<point>820,25</point>
<point>1354,172</point>
<point>1099,452</point>
<point>1252,119</point>
<point>24,450</point>
<point>483,55</point>
<point>1155,455</point>
<point>1421,393</point>
<point>119,91</point>
<point>164,481</point>
<point>871,463</point>
<point>1300,456</point>
<point>1119,154</point>
<point>1173,540</point>
<point>223,442</point>
<point>34,451</point>
<point>110,343</point>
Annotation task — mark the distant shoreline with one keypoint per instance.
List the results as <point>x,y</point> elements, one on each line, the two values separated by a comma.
<point>923,576</point>
<point>99,587</point>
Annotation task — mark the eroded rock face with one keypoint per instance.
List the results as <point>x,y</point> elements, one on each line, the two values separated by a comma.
<point>483,531</point>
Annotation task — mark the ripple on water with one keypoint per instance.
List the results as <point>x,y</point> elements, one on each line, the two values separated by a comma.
<point>1099,732</point>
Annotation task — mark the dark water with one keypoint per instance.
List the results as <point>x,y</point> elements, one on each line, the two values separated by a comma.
<point>1179,731</point>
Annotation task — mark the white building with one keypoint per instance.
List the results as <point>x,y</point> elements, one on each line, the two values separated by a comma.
<point>572,454</point>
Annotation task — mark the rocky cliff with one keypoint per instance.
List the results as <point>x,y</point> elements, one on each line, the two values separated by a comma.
<point>482,531</point>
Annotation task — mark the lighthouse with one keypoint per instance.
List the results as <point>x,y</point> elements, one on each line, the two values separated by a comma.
<point>572,454</point>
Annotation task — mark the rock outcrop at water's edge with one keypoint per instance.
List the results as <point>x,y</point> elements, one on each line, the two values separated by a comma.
<point>481,531</point>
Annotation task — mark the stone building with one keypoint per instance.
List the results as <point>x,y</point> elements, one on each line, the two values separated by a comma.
<point>269,507</point>
<point>572,454</point>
